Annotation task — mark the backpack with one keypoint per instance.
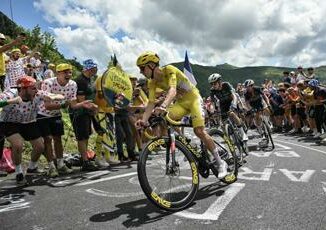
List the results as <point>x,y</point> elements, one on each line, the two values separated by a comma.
<point>6,163</point>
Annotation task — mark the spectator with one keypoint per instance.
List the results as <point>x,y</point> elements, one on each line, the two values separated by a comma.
<point>3,49</point>
<point>136,109</point>
<point>15,68</point>
<point>320,99</point>
<point>276,102</point>
<point>49,72</point>
<point>301,74</point>
<point>3,103</point>
<point>50,121</point>
<point>85,91</point>
<point>286,77</point>
<point>36,62</point>
<point>311,73</point>
<point>124,134</point>
<point>19,124</point>
<point>24,50</point>
<point>105,119</point>
<point>295,78</point>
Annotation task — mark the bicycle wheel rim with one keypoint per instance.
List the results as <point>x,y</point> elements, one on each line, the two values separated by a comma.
<point>170,192</point>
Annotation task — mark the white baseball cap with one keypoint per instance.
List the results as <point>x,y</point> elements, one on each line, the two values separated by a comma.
<point>2,36</point>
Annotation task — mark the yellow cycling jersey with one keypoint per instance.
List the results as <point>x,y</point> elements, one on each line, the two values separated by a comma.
<point>172,77</point>
<point>142,99</point>
<point>188,100</point>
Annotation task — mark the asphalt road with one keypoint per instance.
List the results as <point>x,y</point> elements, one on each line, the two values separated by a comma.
<point>282,189</point>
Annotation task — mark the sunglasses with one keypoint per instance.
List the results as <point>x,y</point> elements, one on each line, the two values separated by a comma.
<point>214,83</point>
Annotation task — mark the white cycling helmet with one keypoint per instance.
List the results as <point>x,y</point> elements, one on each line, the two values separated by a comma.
<point>214,77</point>
<point>248,82</point>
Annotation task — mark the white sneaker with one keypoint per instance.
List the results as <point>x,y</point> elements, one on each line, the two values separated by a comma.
<point>244,136</point>
<point>305,129</point>
<point>318,134</point>
<point>112,161</point>
<point>323,141</point>
<point>222,169</point>
<point>323,136</point>
<point>101,163</point>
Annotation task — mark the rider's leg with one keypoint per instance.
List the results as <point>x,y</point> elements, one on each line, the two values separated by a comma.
<point>258,122</point>
<point>239,124</point>
<point>213,148</point>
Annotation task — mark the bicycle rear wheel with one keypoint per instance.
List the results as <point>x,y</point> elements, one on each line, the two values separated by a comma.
<point>169,188</point>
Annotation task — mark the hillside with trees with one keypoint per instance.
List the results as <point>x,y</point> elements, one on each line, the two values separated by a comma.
<point>36,40</point>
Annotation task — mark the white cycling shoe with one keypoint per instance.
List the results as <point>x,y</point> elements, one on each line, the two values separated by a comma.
<point>222,169</point>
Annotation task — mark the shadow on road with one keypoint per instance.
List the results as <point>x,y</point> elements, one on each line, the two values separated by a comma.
<point>138,213</point>
<point>142,212</point>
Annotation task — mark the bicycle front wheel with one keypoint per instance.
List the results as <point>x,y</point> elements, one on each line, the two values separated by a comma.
<point>171,187</point>
<point>268,135</point>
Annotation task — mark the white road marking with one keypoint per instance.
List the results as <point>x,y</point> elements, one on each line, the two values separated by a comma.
<point>13,207</point>
<point>106,179</point>
<point>324,186</point>
<point>90,175</point>
<point>98,192</point>
<point>283,146</point>
<point>96,174</point>
<point>287,153</point>
<point>264,175</point>
<point>305,175</point>
<point>214,211</point>
<point>15,203</point>
<point>302,146</point>
<point>260,154</point>
<point>323,171</point>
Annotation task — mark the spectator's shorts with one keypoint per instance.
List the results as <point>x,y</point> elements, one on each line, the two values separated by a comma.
<point>82,125</point>
<point>28,131</point>
<point>50,126</point>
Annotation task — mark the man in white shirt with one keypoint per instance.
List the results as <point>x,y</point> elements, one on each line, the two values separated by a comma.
<point>49,72</point>
<point>19,124</point>
<point>3,48</point>
<point>50,121</point>
<point>15,68</point>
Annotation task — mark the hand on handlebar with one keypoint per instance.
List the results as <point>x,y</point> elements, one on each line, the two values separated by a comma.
<point>159,110</point>
<point>141,124</point>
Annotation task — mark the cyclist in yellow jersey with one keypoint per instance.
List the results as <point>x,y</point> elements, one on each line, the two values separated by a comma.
<point>185,95</point>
